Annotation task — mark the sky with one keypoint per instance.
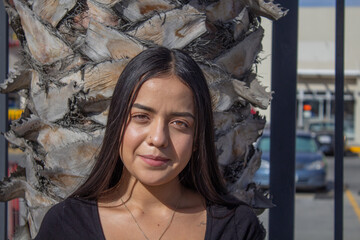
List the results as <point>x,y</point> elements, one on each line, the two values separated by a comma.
<point>327,3</point>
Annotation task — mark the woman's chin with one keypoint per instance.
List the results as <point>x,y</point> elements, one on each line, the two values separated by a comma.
<point>154,180</point>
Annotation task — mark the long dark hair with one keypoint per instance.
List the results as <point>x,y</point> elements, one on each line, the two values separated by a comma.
<point>201,173</point>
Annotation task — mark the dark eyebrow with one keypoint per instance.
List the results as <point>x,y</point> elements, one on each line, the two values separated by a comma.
<point>176,114</point>
<point>183,114</point>
<point>149,109</point>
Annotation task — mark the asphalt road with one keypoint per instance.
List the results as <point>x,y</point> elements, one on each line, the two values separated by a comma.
<point>314,211</point>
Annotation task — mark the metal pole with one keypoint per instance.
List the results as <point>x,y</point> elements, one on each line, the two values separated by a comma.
<point>4,53</point>
<point>339,120</point>
<point>283,121</point>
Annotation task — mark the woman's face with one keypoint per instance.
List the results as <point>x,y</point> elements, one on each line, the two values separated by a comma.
<point>158,140</point>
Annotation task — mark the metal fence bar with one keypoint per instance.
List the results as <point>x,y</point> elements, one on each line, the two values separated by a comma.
<point>4,53</point>
<point>283,123</point>
<point>339,121</point>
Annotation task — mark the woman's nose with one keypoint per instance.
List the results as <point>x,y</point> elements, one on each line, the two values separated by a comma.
<point>158,134</point>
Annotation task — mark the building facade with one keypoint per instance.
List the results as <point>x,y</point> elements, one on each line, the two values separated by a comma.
<point>316,63</point>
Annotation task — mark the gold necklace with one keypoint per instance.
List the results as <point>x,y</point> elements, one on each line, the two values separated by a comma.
<point>138,225</point>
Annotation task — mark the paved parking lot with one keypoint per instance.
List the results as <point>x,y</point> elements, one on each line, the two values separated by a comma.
<point>314,211</point>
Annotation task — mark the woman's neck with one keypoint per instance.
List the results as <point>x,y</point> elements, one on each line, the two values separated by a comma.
<point>147,197</point>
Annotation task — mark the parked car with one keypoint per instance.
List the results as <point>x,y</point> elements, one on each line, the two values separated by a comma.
<point>325,134</point>
<point>311,167</point>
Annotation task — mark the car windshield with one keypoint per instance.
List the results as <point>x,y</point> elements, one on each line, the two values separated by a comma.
<point>303,144</point>
<point>323,126</point>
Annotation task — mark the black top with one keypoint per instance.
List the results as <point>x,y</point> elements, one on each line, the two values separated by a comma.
<point>79,219</point>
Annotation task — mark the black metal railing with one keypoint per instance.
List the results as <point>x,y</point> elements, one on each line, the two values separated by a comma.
<point>283,123</point>
<point>282,152</point>
<point>339,121</point>
<point>4,64</point>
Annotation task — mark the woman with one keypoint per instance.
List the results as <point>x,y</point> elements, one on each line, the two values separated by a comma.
<point>156,175</point>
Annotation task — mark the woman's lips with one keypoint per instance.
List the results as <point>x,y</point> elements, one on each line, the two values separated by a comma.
<point>154,161</point>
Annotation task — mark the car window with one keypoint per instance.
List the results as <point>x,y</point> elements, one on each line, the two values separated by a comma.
<point>315,127</point>
<point>264,144</point>
<point>303,144</point>
<point>306,144</point>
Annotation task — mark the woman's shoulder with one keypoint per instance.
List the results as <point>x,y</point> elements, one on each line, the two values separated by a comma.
<point>73,218</point>
<point>69,208</point>
<point>232,210</point>
<point>248,224</point>
<point>234,221</point>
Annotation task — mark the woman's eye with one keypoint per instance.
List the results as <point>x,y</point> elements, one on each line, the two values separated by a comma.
<point>180,124</point>
<point>140,117</point>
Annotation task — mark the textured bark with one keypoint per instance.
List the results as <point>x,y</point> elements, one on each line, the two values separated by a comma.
<point>73,54</point>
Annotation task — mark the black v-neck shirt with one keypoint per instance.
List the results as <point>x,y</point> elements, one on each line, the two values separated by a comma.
<point>79,219</point>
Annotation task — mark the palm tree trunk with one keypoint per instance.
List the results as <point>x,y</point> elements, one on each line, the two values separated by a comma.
<point>72,55</point>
